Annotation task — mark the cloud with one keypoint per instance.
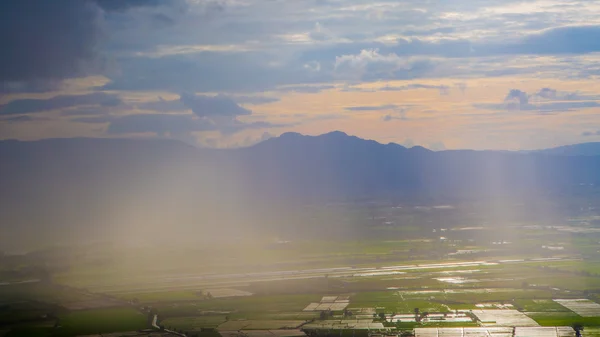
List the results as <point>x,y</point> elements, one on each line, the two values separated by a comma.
<point>208,113</point>
<point>100,119</point>
<point>307,89</point>
<point>371,64</point>
<point>556,95</point>
<point>397,112</point>
<point>163,105</point>
<point>372,107</point>
<point>516,98</point>
<point>53,40</point>
<point>89,111</point>
<point>367,58</point>
<point>121,5</point>
<point>461,86</point>
<point>555,40</point>
<point>249,141</point>
<point>400,115</point>
<point>18,119</point>
<point>213,106</point>
<point>408,143</point>
<point>253,99</point>
<point>160,124</point>
<point>552,101</point>
<point>26,106</point>
<point>591,133</point>
<point>443,89</point>
<point>174,124</point>
<point>437,146</point>
<point>204,72</point>
<point>561,40</point>
<point>185,102</point>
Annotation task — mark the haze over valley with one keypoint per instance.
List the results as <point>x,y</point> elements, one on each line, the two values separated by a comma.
<point>305,168</point>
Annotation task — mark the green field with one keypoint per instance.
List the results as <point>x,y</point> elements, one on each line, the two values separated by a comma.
<point>564,319</point>
<point>88,322</point>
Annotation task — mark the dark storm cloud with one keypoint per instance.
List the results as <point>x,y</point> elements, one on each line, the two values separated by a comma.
<point>120,5</point>
<point>46,39</point>
<point>51,40</point>
<point>26,106</point>
<point>29,86</point>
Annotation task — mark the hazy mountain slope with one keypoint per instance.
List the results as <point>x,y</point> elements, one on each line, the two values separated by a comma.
<point>584,149</point>
<point>337,165</point>
<point>115,187</point>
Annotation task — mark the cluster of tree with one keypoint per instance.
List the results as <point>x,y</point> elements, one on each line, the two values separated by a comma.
<point>325,314</point>
<point>203,295</point>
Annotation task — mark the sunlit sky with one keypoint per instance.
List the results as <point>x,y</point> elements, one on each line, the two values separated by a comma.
<point>444,74</point>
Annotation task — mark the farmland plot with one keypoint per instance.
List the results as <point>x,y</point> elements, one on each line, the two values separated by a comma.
<point>582,307</point>
<point>496,332</point>
<point>508,318</point>
<point>333,303</point>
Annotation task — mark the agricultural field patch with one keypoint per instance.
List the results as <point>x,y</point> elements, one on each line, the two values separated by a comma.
<point>502,317</point>
<point>333,303</point>
<point>259,325</point>
<point>563,319</point>
<point>582,307</point>
<point>343,325</point>
<point>544,305</point>
<point>192,323</point>
<point>96,321</point>
<point>263,333</point>
<point>496,332</point>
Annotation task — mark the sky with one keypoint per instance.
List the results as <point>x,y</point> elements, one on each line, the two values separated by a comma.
<point>444,74</point>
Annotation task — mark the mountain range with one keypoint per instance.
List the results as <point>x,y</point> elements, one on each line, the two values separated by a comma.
<point>59,184</point>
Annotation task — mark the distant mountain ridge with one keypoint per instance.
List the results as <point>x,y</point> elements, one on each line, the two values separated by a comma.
<point>583,149</point>
<point>68,184</point>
